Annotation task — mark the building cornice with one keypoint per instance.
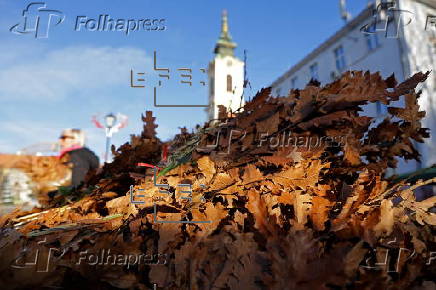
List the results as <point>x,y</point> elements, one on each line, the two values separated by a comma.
<point>367,12</point>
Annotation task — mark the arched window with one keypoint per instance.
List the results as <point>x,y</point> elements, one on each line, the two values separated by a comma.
<point>229,83</point>
<point>211,86</point>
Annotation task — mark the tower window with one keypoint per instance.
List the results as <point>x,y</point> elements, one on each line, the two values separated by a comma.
<point>211,86</point>
<point>229,83</point>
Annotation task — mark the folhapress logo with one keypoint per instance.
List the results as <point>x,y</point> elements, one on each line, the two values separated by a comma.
<point>37,19</point>
<point>107,23</point>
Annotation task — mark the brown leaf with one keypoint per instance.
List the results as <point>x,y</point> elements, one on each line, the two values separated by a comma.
<point>319,212</point>
<point>251,174</point>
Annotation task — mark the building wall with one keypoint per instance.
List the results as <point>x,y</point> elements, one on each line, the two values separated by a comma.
<point>419,47</point>
<point>410,53</point>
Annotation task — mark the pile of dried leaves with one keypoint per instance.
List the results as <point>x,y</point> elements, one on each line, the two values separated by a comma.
<point>234,211</point>
<point>46,173</point>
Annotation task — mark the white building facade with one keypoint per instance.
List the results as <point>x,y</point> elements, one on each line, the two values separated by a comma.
<point>226,75</point>
<point>402,41</point>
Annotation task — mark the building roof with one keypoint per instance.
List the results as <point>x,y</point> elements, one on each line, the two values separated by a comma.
<point>367,12</point>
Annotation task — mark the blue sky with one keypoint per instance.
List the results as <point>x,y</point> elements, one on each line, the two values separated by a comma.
<point>61,81</point>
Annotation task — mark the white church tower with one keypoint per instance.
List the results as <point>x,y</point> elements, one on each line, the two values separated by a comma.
<point>226,75</point>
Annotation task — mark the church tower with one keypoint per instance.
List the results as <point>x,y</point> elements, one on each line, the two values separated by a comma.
<point>226,74</point>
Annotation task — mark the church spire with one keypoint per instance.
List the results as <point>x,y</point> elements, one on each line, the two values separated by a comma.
<point>224,25</point>
<point>224,45</point>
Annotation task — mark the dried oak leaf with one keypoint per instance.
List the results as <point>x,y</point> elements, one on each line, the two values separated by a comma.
<point>408,85</point>
<point>276,160</point>
<point>258,209</point>
<point>258,100</point>
<point>319,212</point>
<point>423,216</point>
<point>354,88</point>
<point>290,176</point>
<point>286,198</point>
<point>251,174</point>
<point>304,106</point>
<point>326,120</point>
<point>213,214</point>
<point>269,124</point>
<point>411,111</point>
<point>207,167</point>
<point>354,258</point>
<point>302,207</point>
<point>170,234</point>
<point>222,181</point>
<point>121,205</point>
<point>386,223</point>
<point>352,152</point>
<point>295,156</point>
<point>228,260</point>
